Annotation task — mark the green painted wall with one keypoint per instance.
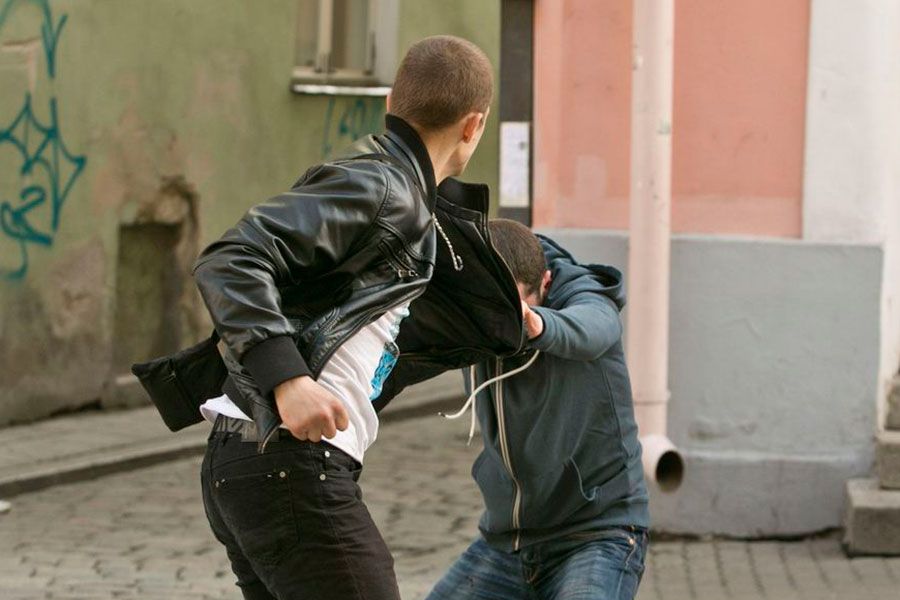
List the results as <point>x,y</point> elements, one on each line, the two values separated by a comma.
<point>478,21</point>
<point>178,114</point>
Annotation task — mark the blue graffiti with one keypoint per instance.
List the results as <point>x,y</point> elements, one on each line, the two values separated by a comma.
<point>50,32</point>
<point>358,117</point>
<point>40,147</point>
<point>42,150</point>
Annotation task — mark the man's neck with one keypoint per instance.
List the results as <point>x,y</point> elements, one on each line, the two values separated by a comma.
<point>441,148</point>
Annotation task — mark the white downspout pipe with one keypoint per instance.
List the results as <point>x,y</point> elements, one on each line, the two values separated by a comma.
<point>648,256</point>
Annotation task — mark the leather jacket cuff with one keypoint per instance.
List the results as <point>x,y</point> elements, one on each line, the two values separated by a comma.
<point>274,361</point>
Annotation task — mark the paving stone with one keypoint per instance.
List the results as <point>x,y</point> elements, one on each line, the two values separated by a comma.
<point>142,535</point>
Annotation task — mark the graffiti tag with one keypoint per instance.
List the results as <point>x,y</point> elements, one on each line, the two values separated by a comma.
<point>39,144</point>
<point>354,119</point>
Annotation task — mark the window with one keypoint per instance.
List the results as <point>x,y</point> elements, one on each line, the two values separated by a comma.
<point>345,46</point>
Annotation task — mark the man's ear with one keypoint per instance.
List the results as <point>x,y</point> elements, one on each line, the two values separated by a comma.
<point>387,102</point>
<point>545,282</point>
<point>472,123</point>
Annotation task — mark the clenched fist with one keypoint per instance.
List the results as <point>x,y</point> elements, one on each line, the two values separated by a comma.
<point>534,324</point>
<point>308,410</point>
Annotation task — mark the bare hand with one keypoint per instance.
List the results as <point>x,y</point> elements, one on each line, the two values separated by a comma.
<point>534,324</point>
<point>308,410</point>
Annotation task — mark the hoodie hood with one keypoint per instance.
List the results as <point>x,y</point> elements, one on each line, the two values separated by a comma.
<point>570,277</point>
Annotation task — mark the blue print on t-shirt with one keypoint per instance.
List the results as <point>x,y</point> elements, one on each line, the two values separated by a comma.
<point>385,366</point>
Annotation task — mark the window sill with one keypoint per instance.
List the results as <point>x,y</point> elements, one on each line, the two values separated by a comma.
<point>330,89</point>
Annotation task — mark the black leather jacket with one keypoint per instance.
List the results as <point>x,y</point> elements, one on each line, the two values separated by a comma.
<point>301,273</point>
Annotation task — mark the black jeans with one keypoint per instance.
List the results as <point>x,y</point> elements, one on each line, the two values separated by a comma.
<point>293,521</point>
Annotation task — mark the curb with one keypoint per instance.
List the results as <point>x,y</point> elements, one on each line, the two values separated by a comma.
<point>158,450</point>
<point>98,464</point>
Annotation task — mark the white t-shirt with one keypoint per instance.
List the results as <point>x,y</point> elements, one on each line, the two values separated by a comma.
<point>355,373</point>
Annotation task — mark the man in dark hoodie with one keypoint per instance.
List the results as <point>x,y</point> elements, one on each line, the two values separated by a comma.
<point>565,500</point>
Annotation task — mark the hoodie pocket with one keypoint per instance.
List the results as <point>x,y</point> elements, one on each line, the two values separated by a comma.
<point>550,498</point>
<point>498,491</point>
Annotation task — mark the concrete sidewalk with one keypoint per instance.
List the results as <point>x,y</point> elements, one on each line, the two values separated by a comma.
<point>91,444</point>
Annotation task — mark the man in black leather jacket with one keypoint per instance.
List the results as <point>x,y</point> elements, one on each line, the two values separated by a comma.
<point>307,292</point>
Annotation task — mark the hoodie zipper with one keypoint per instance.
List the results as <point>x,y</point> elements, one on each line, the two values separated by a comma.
<point>504,452</point>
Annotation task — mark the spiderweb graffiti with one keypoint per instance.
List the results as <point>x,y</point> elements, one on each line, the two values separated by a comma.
<point>48,170</point>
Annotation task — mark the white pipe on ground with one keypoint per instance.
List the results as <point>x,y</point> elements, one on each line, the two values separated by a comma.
<point>648,256</point>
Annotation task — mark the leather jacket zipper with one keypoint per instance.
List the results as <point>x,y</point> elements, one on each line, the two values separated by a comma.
<point>504,452</point>
<point>403,269</point>
<point>363,321</point>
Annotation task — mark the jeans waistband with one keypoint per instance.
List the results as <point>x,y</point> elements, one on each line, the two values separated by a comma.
<point>246,429</point>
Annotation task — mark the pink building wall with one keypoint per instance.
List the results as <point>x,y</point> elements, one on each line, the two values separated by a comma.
<point>739,111</point>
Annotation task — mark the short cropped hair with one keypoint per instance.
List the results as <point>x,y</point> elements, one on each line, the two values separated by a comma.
<point>441,79</point>
<point>521,250</point>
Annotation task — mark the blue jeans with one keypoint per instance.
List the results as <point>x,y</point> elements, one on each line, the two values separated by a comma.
<point>596,565</point>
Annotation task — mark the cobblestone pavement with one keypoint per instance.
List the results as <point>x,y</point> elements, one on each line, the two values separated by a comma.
<point>143,535</point>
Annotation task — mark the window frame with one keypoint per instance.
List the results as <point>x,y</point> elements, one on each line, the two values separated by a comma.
<point>380,47</point>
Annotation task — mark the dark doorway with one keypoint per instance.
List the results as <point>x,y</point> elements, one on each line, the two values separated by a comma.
<point>149,286</point>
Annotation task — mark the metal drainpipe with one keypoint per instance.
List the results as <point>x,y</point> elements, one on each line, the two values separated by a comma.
<point>648,257</point>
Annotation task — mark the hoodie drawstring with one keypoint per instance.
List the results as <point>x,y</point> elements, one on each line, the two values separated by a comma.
<point>470,401</point>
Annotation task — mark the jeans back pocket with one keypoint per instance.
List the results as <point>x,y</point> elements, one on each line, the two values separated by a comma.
<point>257,509</point>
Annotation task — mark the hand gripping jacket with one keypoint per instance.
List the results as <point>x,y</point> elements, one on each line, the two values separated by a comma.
<point>301,273</point>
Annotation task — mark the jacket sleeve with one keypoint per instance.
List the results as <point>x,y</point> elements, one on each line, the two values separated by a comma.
<point>290,239</point>
<point>584,329</point>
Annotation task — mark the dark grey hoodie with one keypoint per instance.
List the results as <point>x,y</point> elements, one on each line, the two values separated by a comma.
<point>561,444</point>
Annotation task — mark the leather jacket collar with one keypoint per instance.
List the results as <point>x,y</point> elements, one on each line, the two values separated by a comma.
<point>406,139</point>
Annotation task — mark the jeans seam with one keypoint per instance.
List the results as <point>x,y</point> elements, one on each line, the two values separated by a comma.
<point>529,580</point>
<point>619,581</point>
<point>633,550</point>
<point>338,538</point>
<point>294,520</point>
<point>627,569</point>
